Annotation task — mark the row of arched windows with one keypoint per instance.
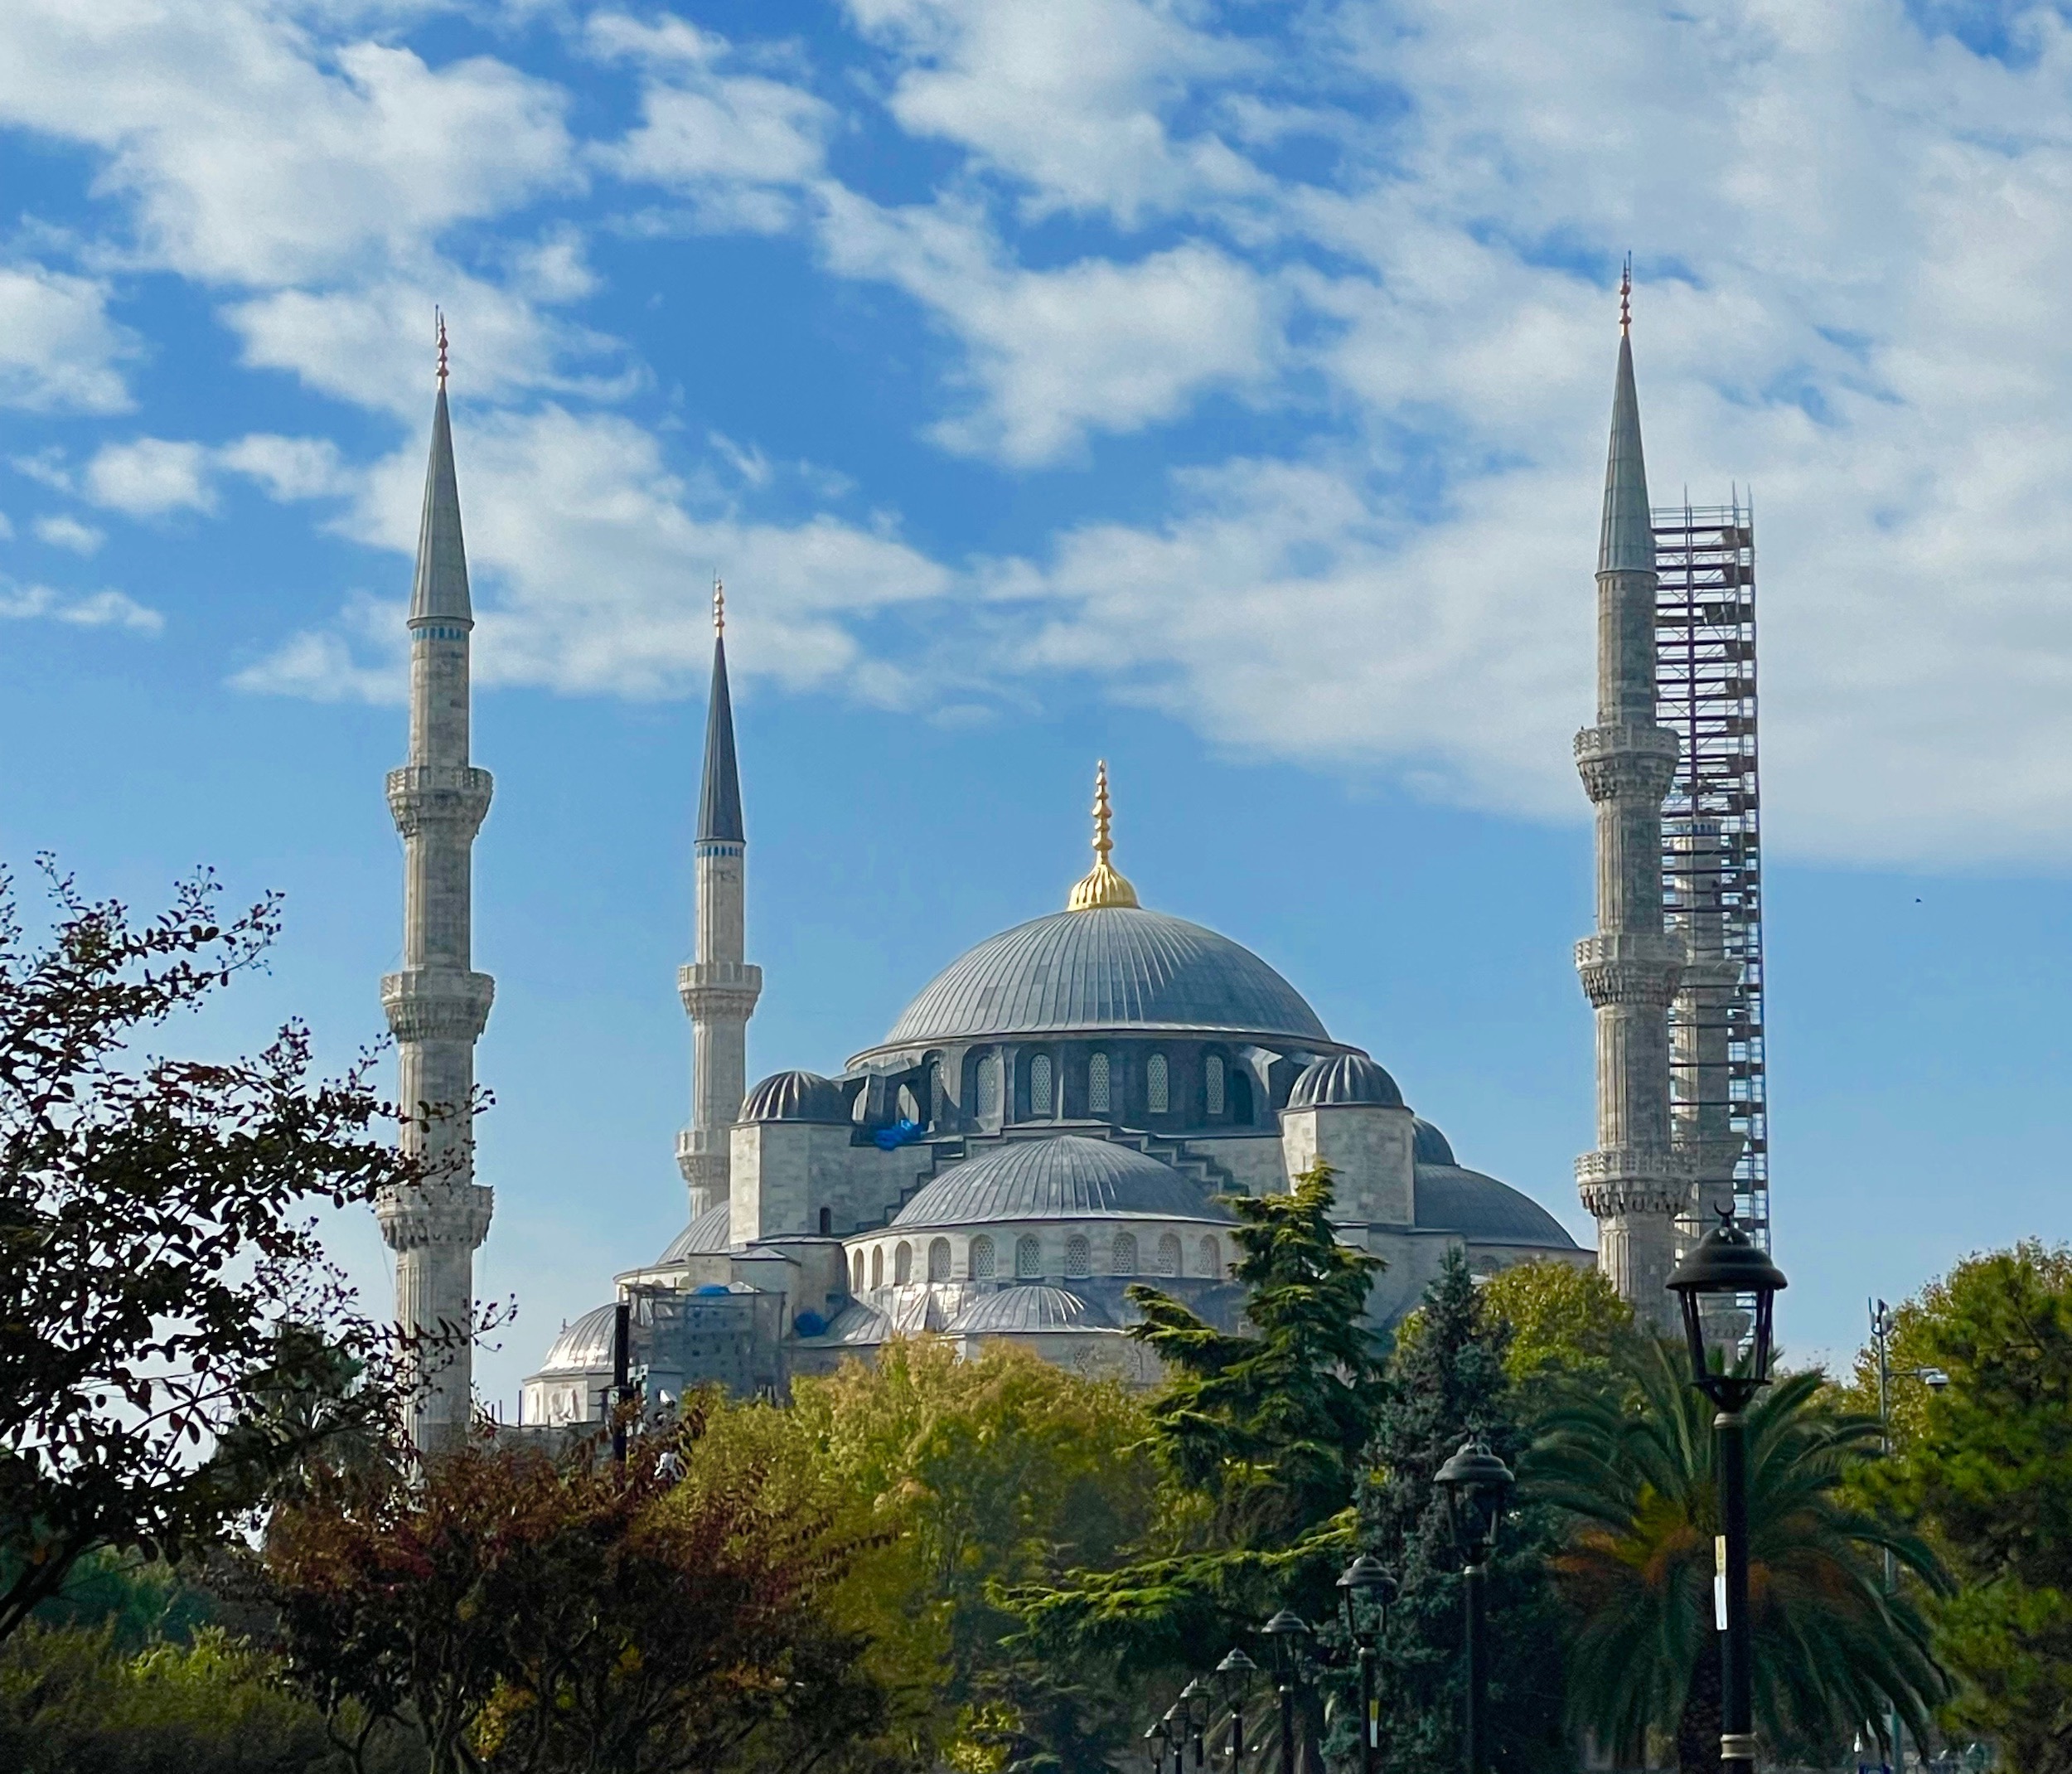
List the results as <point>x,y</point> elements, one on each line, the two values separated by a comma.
<point>1224,1093</point>
<point>984,1259</point>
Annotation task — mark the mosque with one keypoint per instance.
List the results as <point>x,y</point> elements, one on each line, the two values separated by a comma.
<point>1064,1109</point>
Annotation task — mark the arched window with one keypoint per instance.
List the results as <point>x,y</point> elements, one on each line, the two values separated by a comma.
<point>938,1259</point>
<point>827,1222</point>
<point>1029,1257</point>
<point>935,1092</point>
<point>1039,1085</point>
<point>1158,1084</point>
<point>856,1273</point>
<point>1241,1098</point>
<point>1212,1085</point>
<point>1098,1085</point>
<point>1212,1255</point>
<point>1122,1259</point>
<point>902,1264</point>
<point>909,1105</point>
<point>981,1260</point>
<point>1169,1254</point>
<point>877,1266</point>
<point>1078,1258</point>
<point>989,1085</point>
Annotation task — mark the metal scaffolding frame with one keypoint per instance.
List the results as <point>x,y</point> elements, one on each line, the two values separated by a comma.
<point>1712,849</point>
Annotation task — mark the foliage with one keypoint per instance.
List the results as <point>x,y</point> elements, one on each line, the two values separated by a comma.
<point>1560,1319</point>
<point>1637,1481</point>
<point>1449,1379</point>
<point>514,1609</point>
<point>1987,1465</point>
<point>1262,1437</point>
<point>150,1250</point>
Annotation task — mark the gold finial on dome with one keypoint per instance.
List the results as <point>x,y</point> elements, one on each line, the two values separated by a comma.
<point>1104,886</point>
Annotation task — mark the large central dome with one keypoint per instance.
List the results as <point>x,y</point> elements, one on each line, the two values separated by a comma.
<point>1110,966</point>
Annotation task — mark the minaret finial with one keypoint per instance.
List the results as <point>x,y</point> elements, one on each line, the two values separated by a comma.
<point>439,320</point>
<point>1625,298</point>
<point>1103,887</point>
<point>719,606</point>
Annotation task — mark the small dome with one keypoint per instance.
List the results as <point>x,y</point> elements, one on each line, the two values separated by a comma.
<point>1026,1308</point>
<point>1429,1146</point>
<point>795,1096</point>
<point>1066,1176</point>
<point>1484,1211</point>
<point>704,1236</point>
<point>1343,1080</point>
<point>585,1346</point>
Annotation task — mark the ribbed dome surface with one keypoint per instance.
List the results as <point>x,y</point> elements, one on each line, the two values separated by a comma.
<point>1345,1079</point>
<point>584,1346</point>
<point>705,1235</point>
<point>1063,1177</point>
<point>795,1096</point>
<point>1113,967</point>
<point>1429,1146</point>
<point>1028,1308</point>
<point>1484,1210</point>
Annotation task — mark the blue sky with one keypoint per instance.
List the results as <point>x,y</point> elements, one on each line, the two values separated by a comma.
<point>1220,388</point>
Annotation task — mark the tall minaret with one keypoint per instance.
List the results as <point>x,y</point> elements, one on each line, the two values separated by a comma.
<point>1632,1182</point>
<point>438,1004</point>
<point>718,988</point>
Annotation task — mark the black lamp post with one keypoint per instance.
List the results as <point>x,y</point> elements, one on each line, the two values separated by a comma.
<point>1176,1723</point>
<point>1476,1484</point>
<point>1364,1593</point>
<point>1197,1729</point>
<point>1236,1671</point>
<point>1286,1632</point>
<point>1154,1741</point>
<point>1727,1262</point>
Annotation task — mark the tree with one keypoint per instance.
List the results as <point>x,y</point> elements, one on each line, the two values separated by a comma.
<point>1560,1319</point>
<point>155,1249</point>
<point>1986,1462</point>
<point>1635,1477</point>
<point>1449,1379</point>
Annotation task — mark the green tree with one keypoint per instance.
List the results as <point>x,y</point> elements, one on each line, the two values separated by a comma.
<point>1449,1378</point>
<point>1635,1475</point>
<point>1986,1462</point>
<point>1560,1319</point>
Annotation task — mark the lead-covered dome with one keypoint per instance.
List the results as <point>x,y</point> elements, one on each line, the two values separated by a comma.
<point>1451,1198</point>
<point>1026,1308</point>
<point>795,1096</point>
<point>584,1346</point>
<point>1344,1080</point>
<point>1063,1177</point>
<point>1108,968</point>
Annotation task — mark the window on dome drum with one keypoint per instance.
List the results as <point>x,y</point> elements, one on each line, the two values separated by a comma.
<point>856,1272</point>
<point>1122,1259</point>
<point>1039,1085</point>
<point>827,1222</point>
<point>939,1260</point>
<point>1241,1098</point>
<point>935,1092</point>
<point>878,1267</point>
<point>1212,1255</point>
<point>1028,1259</point>
<point>1169,1254</point>
<point>981,1260</point>
<point>1078,1258</point>
<point>1098,1085</point>
<point>1212,1085</point>
<point>902,1265</point>
<point>909,1104</point>
<point>989,1085</point>
<point>1158,1084</point>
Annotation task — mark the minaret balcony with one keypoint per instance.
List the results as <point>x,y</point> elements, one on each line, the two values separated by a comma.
<point>1624,1180</point>
<point>1626,760</point>
<point>439,794</point>
<point>423,1214</point>
<point>437,1003</point>
<point>719,991</point>
<point>1630,967</point>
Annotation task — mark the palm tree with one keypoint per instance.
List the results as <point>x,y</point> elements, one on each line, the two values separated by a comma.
<point>1634,1475</point>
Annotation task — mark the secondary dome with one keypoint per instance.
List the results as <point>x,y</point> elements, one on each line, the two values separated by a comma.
<point>1343,1080</point>
<point>1480,1207</point>
<point>1111,966</point>
<point>584,1346</point>
<point>1063,1177</point>
<point>1026,1308</point>
<point>707,1234</point>
<point>1428,1145</point>
<point>795,1096</point>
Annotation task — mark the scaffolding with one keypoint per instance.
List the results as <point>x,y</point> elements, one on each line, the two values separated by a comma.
<point>1712,849</point>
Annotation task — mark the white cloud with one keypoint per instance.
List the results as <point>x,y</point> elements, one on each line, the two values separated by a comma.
<point>61,531</point>
<point>58,347</point>
<point>150,477</point>
<point>288,467</point>
<point>93,609</point>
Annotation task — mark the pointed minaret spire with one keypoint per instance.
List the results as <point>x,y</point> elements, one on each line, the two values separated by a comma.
<point>718,988</point>
<point>1630,967</point>
<point>437,1004</point>
<point>1103,886</point>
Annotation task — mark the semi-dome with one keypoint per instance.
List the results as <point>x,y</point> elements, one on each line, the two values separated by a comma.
<point>1026,1308</point>
<point>1063,1177</point>
<point>708,1233</point>
<point>584,1346</point>
<point>1344,1080</point>
<point>1484,1210</point>
<point>1110,966</point>
<point>795,1096</point>
<point>1428,1145</point>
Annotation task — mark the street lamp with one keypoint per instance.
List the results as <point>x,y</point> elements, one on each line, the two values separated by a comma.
<point>1476,1486</point>
<point>1236,1671</point>
<point>1936,1380</point>
<point>1196,1689</point>
<point>1286,1632</point>
<point>1364,1593</point>
<point>1727,1263</point>
<point>1154,1741</point>
<point>1175,1722</point>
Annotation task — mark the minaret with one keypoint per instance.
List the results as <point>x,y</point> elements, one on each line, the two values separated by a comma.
<point>718,988</point>
<point>438,1004</point>
<point>1632,1182</point>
